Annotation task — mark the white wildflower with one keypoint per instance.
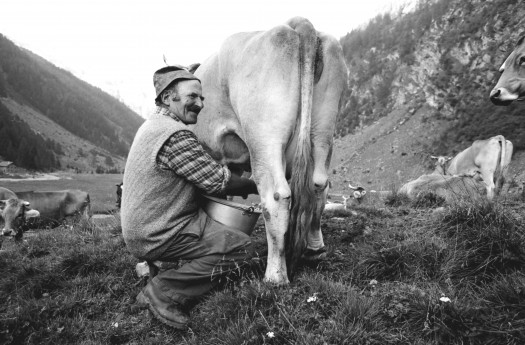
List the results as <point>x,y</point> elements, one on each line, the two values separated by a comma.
<point>444,299</point>
<point>373,282</point>
<point>312,299</point>
<point>270,335</point>
<point>115,324</point>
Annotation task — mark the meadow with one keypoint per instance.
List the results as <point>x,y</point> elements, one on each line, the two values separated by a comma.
<point>400,272</point>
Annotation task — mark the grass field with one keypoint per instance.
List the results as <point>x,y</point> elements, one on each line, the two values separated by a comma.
<point>101,187</point>
<point>402,274</point>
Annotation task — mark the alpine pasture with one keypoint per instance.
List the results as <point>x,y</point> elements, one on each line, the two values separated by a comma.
<point>396,272</point>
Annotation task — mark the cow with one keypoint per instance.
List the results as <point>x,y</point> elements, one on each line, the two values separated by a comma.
<point>440,167</point>
<point>120,187</point>
<point>55,206</point>
<point>272,98</point>
<point>511,84</point>
<point>487,160</point>
<point>333,206</point>
<point>15,213</point>
<point>358,194</point>
<point>451,188</point>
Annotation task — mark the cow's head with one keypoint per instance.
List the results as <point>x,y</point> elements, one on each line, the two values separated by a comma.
<point>511,84</point>
<point>15,212</point>
<point>359,192</point>
<point>441,163</point>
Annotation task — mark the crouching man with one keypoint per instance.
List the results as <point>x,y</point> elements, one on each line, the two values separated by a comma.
<point>166,171</point>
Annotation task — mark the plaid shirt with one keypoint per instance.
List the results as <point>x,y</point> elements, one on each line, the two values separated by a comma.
<point>184,155</point>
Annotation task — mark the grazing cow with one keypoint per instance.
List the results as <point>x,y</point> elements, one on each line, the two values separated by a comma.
<point>15,213</point>
<point>119,193</point>
<point>271,102</point>
<point>55,206</point>
<point>511,83</point>
<point>486,159</point>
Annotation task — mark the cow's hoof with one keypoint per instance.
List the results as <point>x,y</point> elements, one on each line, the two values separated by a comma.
<point>313,255</point>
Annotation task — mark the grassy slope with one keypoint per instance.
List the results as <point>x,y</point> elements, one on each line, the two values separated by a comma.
<point>394,150</point>
<point>382,281</point>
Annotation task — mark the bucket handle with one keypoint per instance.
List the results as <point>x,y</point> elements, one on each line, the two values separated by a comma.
<point>248,211</point>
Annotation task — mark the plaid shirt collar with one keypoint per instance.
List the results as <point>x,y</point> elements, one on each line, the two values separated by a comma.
<point>166,112</point>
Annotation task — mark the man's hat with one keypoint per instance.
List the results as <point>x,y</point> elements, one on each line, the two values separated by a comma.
<point>163,77</point>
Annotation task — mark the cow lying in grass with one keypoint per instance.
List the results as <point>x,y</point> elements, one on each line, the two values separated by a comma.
<point>332,206</point>
<point>15,213</point>
<point>451,188</point>
<point>54,206</point>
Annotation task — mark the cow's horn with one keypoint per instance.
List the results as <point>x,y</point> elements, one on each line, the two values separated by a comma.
<point>351,187</point>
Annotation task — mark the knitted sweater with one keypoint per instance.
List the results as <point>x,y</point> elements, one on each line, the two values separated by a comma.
<point>156,203</point>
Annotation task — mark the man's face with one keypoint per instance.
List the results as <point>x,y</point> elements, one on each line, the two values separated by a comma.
<point>187,102</point>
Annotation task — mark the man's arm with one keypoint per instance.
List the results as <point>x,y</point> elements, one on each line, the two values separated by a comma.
<point>183,154</point>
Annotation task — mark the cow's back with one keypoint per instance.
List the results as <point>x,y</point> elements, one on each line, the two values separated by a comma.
<point>55,205</point>
<point>6,194</point>
<point>249,72</point>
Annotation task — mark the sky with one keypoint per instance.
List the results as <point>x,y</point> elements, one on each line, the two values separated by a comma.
<point>116,45</point>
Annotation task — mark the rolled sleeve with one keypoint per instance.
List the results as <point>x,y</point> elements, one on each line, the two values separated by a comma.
<point>185,156</point>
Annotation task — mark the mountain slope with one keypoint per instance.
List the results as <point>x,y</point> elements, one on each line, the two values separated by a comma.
<point>419,84</point>
<point>31,85</point>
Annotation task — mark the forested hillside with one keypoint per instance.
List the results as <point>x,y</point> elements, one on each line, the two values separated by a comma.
<point>445,55</point>
<point>81,109</point>
<point>21,145</point>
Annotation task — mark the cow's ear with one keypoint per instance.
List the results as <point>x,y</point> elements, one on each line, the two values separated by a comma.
<point>449,158</point>
<point>193,67</point>
<point>3,203</point>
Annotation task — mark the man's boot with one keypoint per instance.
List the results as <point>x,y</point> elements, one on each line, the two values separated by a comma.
<point>163,308</point>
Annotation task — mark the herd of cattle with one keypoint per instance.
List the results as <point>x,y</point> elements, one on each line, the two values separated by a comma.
<point>272,101</point>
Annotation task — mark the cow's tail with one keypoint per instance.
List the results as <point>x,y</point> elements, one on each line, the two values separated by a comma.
<point>303,205</point>
<point>499,174</point>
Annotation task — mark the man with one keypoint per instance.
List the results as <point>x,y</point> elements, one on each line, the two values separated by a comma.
<point>166,171</point>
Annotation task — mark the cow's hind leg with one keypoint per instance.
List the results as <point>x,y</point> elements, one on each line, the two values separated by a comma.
<point>315,248</point>
<point>328,86</point>
<point>275,203</point>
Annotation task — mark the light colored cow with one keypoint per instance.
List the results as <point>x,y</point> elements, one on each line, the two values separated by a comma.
<point>271,103</point>
<point>511,83</point>
<point>334,206</point>
<point>451,188</point>
<point>441,164</point>
<point>485,159</point>
<point>54,206</point>
<point>15,213</point>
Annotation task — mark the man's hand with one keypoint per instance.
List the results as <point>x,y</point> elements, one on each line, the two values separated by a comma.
<point>240,186</point>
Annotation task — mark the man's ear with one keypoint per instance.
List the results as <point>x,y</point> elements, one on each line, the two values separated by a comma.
<point>193,67</point>
<point>165,97</point>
